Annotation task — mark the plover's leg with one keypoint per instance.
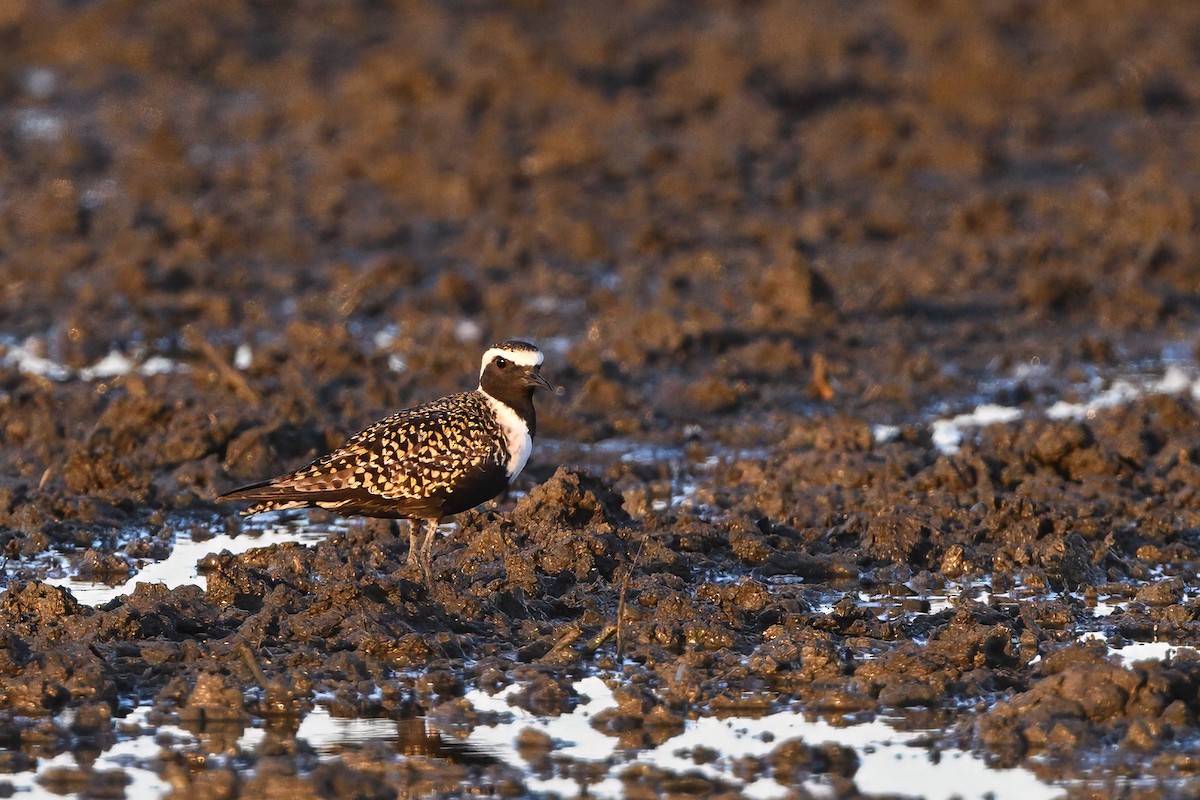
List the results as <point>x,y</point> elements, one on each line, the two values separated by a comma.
<point>414,547</point>
<point>431,527</point>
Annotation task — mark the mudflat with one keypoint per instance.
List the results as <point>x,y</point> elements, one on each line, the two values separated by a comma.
<point>875,327</point>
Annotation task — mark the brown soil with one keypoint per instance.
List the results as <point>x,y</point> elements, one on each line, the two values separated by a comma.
<point>743,233</point>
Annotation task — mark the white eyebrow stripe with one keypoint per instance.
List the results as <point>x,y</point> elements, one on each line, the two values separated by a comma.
<point>526,358</point>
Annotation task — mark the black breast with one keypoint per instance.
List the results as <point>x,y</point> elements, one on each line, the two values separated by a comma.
<point>474,487</point>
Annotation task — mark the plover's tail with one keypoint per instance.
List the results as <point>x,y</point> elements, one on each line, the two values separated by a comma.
<point>270,497</point>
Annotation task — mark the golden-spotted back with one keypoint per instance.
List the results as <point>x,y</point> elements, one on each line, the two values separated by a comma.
<point>434,459</point>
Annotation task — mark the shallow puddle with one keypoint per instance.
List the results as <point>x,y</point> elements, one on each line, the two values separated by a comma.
<point>1131,653</point>
<point>181,567</point>
<point>711,746</point>
<point>891,761</point>
<point>132,756</point>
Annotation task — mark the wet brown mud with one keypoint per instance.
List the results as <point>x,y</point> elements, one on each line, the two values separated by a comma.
<point>746,235</point>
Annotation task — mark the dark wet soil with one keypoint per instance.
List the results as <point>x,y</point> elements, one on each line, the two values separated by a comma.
<point>744,234</point>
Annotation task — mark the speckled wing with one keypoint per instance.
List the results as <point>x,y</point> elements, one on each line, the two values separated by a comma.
<point>425,461</point>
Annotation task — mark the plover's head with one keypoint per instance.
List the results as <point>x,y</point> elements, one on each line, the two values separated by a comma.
<point>512,369</point>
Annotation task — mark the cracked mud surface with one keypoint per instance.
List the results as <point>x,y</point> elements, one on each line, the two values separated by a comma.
<point>747,237</point>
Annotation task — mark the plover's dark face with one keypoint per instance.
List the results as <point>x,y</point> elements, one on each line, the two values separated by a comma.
<point>512,370</point>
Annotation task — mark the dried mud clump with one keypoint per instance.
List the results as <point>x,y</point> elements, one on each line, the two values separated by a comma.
<point>570,529</point>
<point>571,498</point>
<point>48,662</point>
<point>1082,700</point>
<point>214,698</point>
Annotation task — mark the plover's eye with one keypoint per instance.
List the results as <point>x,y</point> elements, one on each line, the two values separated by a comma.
<point>502,363</point>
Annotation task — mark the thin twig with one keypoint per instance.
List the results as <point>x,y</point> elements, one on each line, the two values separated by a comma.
<point>600,638</point>
<point>248,656</point>
<point>565,640</point>
<point>227,373</point>
<point>625,585</point>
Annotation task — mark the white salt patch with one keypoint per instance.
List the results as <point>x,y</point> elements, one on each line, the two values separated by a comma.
<point>468,331</point>
<point>112,365</point>
<point>682,497</point>
<point>39,82</point>
<point>39,125</point>
<point>1176,380</point>
<point>98,193</point>
<point>383,340</point>
<point>159,365</point>
<point>948,433</point>
<point>882,434</point>
<point>25,360</point>
<point>386,336</point>
<point>1032,369</point>
<point>243,357</point>
<point>116,364</point>
<point>1119,393</point>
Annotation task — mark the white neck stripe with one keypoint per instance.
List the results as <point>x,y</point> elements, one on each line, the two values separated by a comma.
<point>516,435</point>
<point>526,358</point>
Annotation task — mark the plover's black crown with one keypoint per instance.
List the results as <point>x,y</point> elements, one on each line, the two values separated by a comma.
<point>429,461</point>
